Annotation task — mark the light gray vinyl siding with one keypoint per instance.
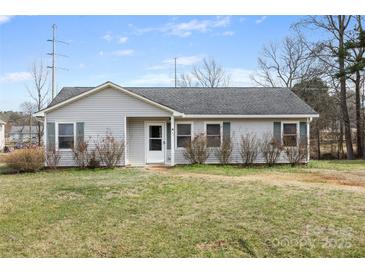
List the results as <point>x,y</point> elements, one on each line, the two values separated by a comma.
<point>136,141</point>
<point>102,111</point>
<point>238,127</point>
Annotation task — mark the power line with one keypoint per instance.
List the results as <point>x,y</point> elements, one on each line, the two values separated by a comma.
<point>53,54</point>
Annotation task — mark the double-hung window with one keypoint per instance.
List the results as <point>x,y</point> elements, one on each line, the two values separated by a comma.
<point>290,134</point>
<point>183,135</point>
<point>66,136</point>
<point>213,135</point>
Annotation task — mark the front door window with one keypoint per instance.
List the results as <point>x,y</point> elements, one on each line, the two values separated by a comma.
<point>155,142</point>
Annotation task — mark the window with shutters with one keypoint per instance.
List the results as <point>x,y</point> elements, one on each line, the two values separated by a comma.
<point>214,134</point>
<point>66,136</point>
<point>183,134</point>
<point>290,134</point>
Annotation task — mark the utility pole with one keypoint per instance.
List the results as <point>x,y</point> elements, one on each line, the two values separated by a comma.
<point>53,54</point>
<point>53,59</point>
<point>175,72</point>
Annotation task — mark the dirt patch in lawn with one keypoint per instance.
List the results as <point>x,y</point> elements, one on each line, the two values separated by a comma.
<point>348,180</point>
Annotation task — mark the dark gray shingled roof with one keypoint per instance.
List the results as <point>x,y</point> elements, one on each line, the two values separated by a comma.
<point>230,101</point>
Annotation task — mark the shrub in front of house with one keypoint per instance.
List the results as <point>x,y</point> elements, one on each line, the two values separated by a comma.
<point>296,154</point>
<point>249,148</point>
<point>109,150</point>
<point>271,149</point>
<point>224,151</point>
<point>53,157</point>
<point>81,154</point>
<point>26,160</point>
<point>196,151</point>
<point>94,161</point>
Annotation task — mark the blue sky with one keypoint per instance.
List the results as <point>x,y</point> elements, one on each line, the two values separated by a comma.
<point>131,50</point>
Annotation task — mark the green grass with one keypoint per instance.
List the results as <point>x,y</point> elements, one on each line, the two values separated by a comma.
<point>341,165</point>
<point>135,213</point>
<point>236,170</point>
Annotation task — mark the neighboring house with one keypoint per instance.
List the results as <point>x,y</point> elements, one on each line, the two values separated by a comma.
<point>156,122</point>
<point>23,134</point>
<point>2,135</point>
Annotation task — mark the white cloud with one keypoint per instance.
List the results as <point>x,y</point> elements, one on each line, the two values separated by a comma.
<point>241,77</point>
<point>4,19</point>
<point>152,79</point>
<point>108,37</point>
<point>122,40</point>
<point>16,76</point>
<point>123,52</point>
<point>185,29</point>
<point>182,61</point>
<point>81,66</point>
<point>261,19</point>
<point>228,33</point>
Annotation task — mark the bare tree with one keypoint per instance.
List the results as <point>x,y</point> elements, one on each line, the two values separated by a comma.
<point>28,108</point>
<point>356,45</point>
<point>208,74</point>
<point>186,80</point>
<point>332,52</point>
<point>38,90</point>
<point>285,64</point>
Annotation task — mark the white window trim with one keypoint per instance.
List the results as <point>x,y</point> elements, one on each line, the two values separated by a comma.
<point>56,133</point>
<point>214,123</point>
<point>282,130</point>
<point>191,132</point>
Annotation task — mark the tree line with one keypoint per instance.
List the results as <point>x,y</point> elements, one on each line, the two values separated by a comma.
<point>326,71</point>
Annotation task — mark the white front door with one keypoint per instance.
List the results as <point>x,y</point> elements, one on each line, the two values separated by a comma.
<point>155,143</point>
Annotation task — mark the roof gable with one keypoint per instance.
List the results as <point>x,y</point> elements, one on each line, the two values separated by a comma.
<point>69,95</point>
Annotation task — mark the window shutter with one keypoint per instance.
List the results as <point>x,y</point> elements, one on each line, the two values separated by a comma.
<point>303,130</point>
<point>79,132</point>
<point>168,135</point>
<point>226,129</point>
<point>51,136</point>
<point>277,132</point>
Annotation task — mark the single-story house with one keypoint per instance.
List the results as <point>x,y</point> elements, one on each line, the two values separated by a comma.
<point>2,134</point>
<point>23,134</point>
<point>155,122</point>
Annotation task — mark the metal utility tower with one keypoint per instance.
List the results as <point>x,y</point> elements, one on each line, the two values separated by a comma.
<point>53,54</point>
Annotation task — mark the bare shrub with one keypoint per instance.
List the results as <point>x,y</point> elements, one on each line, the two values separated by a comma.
<point>110,150</point>
<point>53,157</point>
<point>297,154</point>
<point>270,149</point>
<point>81,154</point>
<point>196,152</point>
<point>28,159</point>
<point>94,161</point>
<point>249,148</point>
<point>223,153</point>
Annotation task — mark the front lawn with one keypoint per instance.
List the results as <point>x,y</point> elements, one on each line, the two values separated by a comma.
<point>178,213</point>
